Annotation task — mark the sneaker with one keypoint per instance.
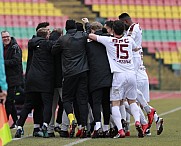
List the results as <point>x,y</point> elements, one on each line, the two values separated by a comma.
<point>45,132</point>
<point>78,133</point>
<point>13,126</point>
<point>18,133</point>
<point>127,133</point>
<point>148,133</point>
<point>64,134</point>
<point>113,131</point>
<point>72,129</point>
<point>37,132</point>
<point>151,117</point>
<point>124,123</point>
<point>57,129</point>
<point>107,134</point>
<point>92,126</point>
<point>51,134</point>
<point>144,127</point>
<point>88,134</point>
<point>139,129</point>
<point>97,133</point>
<point>159,126</point>
<point>120,134</point>
<point>83,132</point>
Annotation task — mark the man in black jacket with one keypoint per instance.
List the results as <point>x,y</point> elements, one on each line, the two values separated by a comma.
<point>14,72</point>
<point>100,81</point>
<point>75,66</point>
<point>39,84</point>
<point>38,110</point>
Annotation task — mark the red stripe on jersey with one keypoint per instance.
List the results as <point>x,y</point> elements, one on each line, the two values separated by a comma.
<point>131,29</point>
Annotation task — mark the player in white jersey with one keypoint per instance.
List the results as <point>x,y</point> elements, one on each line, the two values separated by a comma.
<point>135,31</point>
<point>119,50</point>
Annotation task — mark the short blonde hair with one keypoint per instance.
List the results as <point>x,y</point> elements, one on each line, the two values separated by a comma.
<point>96,26</point>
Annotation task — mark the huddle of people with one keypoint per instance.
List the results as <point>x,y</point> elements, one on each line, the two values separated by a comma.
<point>85,72</point>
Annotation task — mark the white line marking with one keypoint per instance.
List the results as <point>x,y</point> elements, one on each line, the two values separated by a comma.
<point>78,141</point>
<point>171,111</point>
<point>162,114</point>
<point>22,137</point>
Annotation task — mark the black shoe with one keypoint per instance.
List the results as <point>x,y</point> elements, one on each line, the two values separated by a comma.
<point>124,123</point>
<point>13,126</point>
<point>51,134</point>
<point>57,129</point>
<point>45,131</point>
<point>97,133</point>
<point>18,133</point>
<point>92,126</point>
<point>113,131</point>
<point>106,134</point>
<point>72,129</point>
<point>88,134</point>
<point>37,132</point>
<point>64,134</point>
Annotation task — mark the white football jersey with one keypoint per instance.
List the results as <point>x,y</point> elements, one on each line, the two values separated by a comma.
<point>135,32</point>
<point>119,52</point>
<point>141,74</point>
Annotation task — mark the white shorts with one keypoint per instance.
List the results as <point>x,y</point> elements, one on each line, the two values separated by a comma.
<point>137,62</point>
<point>143,86</point>
<point>123,86</point>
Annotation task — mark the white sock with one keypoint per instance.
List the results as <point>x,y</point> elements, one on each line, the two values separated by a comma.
<point>156,117</point>
<point>45,124</point>
<point>123,112</point>
<point>127,107</point>
<point>105,127</point>
<point>57,124</point>
<point>147,109</point>
<point>116,115</point>
<point>80,127</point>
<point>19,127</point>
<point>142,117</point>
<point>36,125</point>
<point>97,126</point>
<point>127,117</point>
<point>135,111</point>
<point>140,98</point>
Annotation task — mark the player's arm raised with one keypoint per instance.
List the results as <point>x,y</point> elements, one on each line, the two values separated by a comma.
<point>93,36</point>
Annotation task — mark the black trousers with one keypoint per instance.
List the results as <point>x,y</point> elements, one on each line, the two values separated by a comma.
<point>75,87</point>
<point>10,104</point>
<point>101,98</point>
<point>38,101</point>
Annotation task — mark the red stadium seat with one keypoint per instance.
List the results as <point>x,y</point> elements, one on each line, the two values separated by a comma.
<point>88,2</point>
<point>130,2</point>
<point>172,46</point>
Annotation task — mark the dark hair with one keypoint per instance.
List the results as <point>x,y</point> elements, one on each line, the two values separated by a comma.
<point>124,16</point>
<point>109,23</point>
<point>70,24</point>
<point>42,25</point>
<point>55,34</point>
<point>4,31</point>
<point>104,30</point>
<point>79,26</point>
<point>42,32</point>
<point>118,27</point>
